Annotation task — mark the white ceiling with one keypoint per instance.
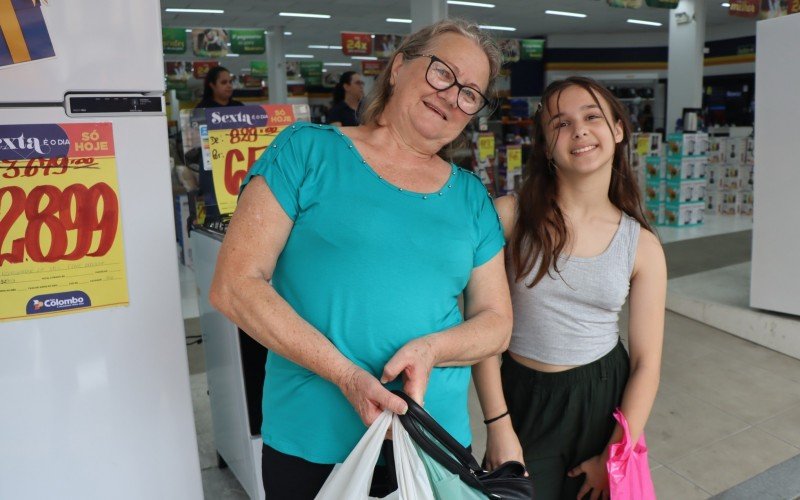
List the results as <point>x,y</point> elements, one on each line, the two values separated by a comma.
<point>370,16</point>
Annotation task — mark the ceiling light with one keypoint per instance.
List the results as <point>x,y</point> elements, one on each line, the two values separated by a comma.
<point>365,58</point>
<point>471,4</point>
<point>231,55</point>
<point>646,23</point>
<point>725,4</point>
<point>498,28</point>
<point>564,13</point>
<point>188,30</point>
<point>397,20</point>
<point>303,14</point>
<point>333,47</point>
<point>287,33</point>
<point>337,64</point>
<point>324,70</point>
<point>197,11</point>
<point>300,56</point>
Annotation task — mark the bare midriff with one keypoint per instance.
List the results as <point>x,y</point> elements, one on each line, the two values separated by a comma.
<point>538,365</point>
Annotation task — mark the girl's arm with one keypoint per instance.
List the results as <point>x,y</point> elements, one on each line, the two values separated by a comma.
<point>645,339</point>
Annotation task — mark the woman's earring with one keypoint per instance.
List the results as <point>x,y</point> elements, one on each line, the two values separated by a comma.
<point>552,164</point>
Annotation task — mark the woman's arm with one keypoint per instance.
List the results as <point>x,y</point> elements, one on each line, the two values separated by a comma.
<point>645,340</point>
<point>485,332</point>
<point>241,291</point>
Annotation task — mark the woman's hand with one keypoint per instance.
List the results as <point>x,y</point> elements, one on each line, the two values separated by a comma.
<point>368,396</point>
<point>596,477</point>
<point>415,361</point>
<point>502,444</point>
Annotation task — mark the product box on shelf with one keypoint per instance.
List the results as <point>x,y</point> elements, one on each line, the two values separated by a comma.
<point>654,212</point>
<point>731,177</point>
<point>654,168</point>
<point>687,144</point>
<point>712,201</point>
<point>654,190</point>
<point>736,150</point>
<point>716,150</point>
<point>729,202</point>
<point>686,168</point>
<point>713,175</point>
<point>684,214</point>
<point>747,180</point>
<point>745,202</point>
<point>685,191</point>
<point>749,157</point>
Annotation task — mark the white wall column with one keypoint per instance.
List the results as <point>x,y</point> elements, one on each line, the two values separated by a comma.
<point>685,69</point>
<point>427,12</point>
<point>276,66</point>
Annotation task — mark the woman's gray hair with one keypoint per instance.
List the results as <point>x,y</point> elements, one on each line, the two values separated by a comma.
<point>419,43</point>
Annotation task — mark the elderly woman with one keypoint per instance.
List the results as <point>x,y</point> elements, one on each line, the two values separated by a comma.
<point>368,237</point>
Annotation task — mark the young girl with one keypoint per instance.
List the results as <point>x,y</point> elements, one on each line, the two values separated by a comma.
<point>578,243</point>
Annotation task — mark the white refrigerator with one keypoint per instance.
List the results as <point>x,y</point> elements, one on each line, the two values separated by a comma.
<point>95,403</point>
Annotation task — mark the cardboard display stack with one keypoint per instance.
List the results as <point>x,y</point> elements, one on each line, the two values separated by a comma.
<point>730,176</point>
<point>684,179</point>
<point>647,162</point>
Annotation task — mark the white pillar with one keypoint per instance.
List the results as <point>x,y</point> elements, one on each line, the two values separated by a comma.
<point>427,12</point>
<point>276,66</point>
<point>685,70</point>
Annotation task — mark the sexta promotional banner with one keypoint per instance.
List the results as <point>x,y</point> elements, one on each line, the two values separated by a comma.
<point>60,224</point>
<point>23,33</point>
<point>237,136</point>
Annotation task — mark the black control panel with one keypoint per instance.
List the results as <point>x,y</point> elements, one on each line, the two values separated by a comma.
<point>113,104</point>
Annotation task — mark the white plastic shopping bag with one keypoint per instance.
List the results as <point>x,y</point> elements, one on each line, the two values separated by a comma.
<point>352,479</point>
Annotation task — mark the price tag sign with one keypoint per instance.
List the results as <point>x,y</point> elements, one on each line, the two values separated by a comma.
<point>514,155</point>
<point>485,145</point>
<point>60,225</point>
<point>237,136</point>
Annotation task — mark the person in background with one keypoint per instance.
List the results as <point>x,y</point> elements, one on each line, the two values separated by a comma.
<point>347,96</point>
<point>578,244</point>
<point>218,89</point>
<point>347,254</point>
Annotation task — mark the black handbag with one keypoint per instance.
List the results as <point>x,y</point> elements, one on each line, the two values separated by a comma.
<point>505,482</point>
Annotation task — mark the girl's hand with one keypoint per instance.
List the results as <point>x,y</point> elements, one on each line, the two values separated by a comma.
<point>596,478</point>
<point>502,444</point>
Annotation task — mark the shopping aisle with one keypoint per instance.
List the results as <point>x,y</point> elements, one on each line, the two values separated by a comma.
<point>727,409</point>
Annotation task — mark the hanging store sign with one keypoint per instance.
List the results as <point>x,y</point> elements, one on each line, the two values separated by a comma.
<point>258,69</point>
<point>373,68</point>
<point>626,4</point>
<point>357,44</point>
<point>23,33</point>
<point>178,70</point>
<point>663,4</point>
<point>236,138</point>
<point>60,225</point>
<point>385,45</point>
<point>773,8</point>
<point>210,42</point>
<point>173,40</point>
<point>201,68</point>
<point>531,49</point>
<point>744,8</point>
<point>794,7</point>
<point>248,42</point>
<point>311,71</point>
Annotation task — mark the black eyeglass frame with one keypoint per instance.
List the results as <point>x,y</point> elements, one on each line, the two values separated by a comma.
<point>455,83</point>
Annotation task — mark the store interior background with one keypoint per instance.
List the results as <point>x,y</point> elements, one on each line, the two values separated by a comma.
<point>727,418</point>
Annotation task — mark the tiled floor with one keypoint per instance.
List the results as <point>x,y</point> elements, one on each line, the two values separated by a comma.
<point>726,411</point>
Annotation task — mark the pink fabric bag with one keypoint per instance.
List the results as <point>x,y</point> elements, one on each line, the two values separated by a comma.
<point>628,470</point>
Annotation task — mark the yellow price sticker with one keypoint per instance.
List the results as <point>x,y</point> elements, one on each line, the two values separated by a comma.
<point>485,146</point>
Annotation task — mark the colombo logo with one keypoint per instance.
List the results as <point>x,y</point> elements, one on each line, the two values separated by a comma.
<point>55,302</point>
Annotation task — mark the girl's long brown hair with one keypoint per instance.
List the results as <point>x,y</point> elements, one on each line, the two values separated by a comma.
<point>540,232</point>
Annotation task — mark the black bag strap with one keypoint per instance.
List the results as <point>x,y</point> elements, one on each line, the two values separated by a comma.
<point>421,426</point>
